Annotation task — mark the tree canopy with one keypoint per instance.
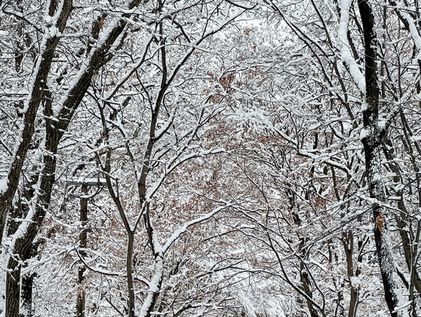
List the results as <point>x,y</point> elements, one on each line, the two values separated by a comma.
<point>210,158</point>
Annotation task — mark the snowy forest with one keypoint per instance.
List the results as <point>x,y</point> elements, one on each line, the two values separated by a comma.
<point>219,158</point>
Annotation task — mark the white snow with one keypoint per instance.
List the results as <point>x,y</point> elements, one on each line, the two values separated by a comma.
<point>355,281</point>
<point>57,107</point>
<point>154,287</point>
<point>413,30</point>
<point>364,133</point>
<point>346,54</point>
<point>3,185</point>
<point>183,228</point>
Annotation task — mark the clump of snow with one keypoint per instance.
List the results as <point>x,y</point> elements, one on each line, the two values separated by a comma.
<point>381,124</point>
<point>355,281</point>
<point>364,133</point>
<point>3,185</point>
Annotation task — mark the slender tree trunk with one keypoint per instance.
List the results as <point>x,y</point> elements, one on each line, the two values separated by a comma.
<point>81,294</point>
<point>129,272</point>
<point>305,280</point>
<point>348,242</point>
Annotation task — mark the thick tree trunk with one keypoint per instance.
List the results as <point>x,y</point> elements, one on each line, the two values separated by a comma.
<point>25,235</point>
<point>12,288</point>
<point>26,294</point>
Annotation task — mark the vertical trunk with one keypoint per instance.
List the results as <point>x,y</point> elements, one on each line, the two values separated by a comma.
<point>129,272</point>
<point>12,288</point>
<point>22,250</point>
<point>19,290</point>
<point>26,294</point>
<point>306,284</point>
<point>372,153</point>
<point>80,302</point>
<point>305,281</point>
<point>24,237</point>
<point>348,242</point>
<point>27,282</point>
<point>14,285</point>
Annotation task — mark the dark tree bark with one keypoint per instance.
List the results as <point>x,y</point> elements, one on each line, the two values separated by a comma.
<point>348,242</point>
<point>83,237</point>
<point>372,143</point>
<point>305,279</point>
<point>27,286</point>
<point>35,97</point>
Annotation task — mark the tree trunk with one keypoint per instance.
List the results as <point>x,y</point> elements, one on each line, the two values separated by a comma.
<point>12,288</point>
<point>372,152</point>
<point>129,272</point>
<point>26,294</point>
<point>35,97</point>
<point>348,242</point>
<point>80,302</point>
<point>305,280</point>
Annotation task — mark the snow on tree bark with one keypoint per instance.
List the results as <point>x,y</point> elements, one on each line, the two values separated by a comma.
<point>372,143</point>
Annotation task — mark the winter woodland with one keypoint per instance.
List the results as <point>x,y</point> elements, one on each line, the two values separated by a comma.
<point>219,158</point>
